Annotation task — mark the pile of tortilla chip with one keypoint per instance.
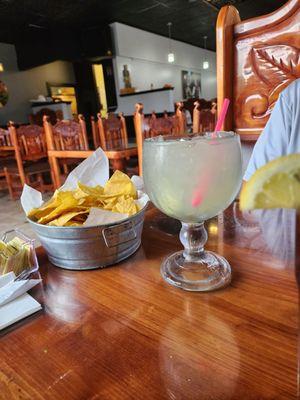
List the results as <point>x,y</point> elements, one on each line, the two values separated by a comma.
<point>71,208</point>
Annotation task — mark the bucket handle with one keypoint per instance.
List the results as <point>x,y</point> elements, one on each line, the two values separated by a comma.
<point>118,234</point>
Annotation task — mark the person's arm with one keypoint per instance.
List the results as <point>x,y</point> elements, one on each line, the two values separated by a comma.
<point>273,142</point>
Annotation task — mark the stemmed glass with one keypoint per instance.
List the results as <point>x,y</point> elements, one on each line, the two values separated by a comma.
<point>193,178</point>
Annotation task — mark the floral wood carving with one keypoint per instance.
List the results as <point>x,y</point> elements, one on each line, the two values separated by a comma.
<point>165,125</point>
<point>113,132</point>
<point>276,66</point>
<point>31,140</point>
<point>68,135</point>
<point>266,61</point>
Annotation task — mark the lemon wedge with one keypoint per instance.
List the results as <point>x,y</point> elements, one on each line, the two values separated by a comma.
<point>275,185</point>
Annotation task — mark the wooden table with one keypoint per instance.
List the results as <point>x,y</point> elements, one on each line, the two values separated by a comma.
<point>123,333</point>
<point>118,156</point>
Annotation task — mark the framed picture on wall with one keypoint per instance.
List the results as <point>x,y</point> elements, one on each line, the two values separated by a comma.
<point>191,84</point>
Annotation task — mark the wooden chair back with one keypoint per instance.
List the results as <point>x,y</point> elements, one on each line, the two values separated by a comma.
<point>66,135</point>
<point>5,139</point>
<point>65,140</point>
<point>204,120</point>
<point>151,126</point>
<point>112,131</point>
<point>189,104</point>
<point>256,60</point>
<point>28,141</point>
<point>29,145</point>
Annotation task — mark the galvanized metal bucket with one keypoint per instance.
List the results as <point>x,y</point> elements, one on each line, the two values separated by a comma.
<point>91,247</point>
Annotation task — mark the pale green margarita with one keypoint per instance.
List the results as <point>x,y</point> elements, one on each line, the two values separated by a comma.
<point>192,178</point>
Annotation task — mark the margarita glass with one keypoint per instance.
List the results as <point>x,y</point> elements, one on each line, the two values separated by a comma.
<point>193,178</point>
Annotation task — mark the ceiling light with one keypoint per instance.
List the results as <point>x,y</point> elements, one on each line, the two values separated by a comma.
<point>205,64</point>
<point>171,55</point>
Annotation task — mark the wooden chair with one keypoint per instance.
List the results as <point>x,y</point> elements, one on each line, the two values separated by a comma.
<point>112,131</point>
<point>189,104</point>
<point>67,143</point>
<point>111,135</point>
<point>7,156</point>
<point>204,120</point>
<point>146,127</point>
<point>256,60</point>
<point>31,162</point>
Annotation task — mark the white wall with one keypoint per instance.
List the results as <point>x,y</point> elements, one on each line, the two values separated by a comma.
<point>25,85</point>
<point>146,56</point>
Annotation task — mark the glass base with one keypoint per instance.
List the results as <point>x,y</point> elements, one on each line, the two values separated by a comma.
<point>209,272</point>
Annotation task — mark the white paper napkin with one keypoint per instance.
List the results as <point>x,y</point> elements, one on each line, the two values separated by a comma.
<point>5,279</point>
<point>15,303</point>
<point>105,216</point>
<point>15,289</point>
<point>18,309</point>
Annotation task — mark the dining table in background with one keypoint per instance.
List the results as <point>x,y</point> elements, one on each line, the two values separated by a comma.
<point>117,157</point>
<point>123,333</point>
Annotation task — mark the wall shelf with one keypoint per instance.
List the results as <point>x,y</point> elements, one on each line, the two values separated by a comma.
<point>146,91</point>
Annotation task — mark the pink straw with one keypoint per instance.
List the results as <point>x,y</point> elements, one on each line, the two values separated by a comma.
<point>222,116</point>
<point>204,183</point>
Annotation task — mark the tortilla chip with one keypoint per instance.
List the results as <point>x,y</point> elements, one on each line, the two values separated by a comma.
<point>68,204</point>
<point>120,184</point>
<point>66,217</point>
<point>71,208</point>
<point>126,206</point>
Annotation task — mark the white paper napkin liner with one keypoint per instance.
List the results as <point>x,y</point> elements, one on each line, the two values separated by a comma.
<point>30,198</point>
<point>92,171</point>
<point>142,200</point>
<point>97,216</point>
<point>138,182</point>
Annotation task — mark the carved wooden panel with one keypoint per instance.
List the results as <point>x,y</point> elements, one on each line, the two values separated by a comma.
<point>154,126</point>
<point>31,141</point>
<point>68,136</point>
<point>266,60</point>
<point>113,132</point>
<point>204,120</point>
<point>5,139</point>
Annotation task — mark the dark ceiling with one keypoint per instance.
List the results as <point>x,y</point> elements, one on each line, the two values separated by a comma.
<point>192,19</point>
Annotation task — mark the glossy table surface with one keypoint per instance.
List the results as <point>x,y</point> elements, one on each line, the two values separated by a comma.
<point>123,333</point>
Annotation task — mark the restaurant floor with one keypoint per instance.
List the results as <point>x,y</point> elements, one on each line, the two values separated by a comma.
<point>12,216</point>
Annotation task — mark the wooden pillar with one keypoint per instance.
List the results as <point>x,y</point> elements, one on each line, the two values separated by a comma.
<point>227,18</point>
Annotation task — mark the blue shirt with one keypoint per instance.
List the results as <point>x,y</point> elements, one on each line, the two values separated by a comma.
<point>281,135</point>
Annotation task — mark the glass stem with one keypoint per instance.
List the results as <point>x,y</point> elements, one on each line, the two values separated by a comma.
<point>193,237</point>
